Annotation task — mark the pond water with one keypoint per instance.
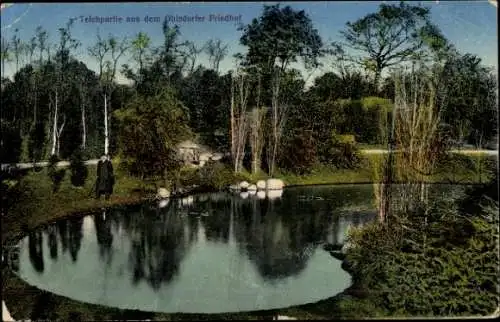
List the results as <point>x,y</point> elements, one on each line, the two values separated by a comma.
<point>208,253</point>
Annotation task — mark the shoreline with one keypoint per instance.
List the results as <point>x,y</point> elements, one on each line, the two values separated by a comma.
<point>130,197</point>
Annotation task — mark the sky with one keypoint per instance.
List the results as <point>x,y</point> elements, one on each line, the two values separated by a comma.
<point>470,25</point>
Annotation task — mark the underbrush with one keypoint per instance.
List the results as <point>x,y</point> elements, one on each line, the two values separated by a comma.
<point>439,261</point>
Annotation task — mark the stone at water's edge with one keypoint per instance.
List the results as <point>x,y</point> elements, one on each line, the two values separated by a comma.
<point>274,184</point>
<point>261,185</point>
<point>163,193</point>
<point>244,185</point>
<point>234,187</point>
<point>5,313</point>
<point>274,194</point>
<point>163,203</point>
<point>252,187</point>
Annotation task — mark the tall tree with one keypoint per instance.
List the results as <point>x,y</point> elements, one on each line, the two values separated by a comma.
<point>117,50</point>
<point>150,129</point>
<point>141,53</point>
<point>107,72</point>
<point>216,52</point>
<point>256,119</point>
<point>274,41</point>
<point>240,90</point>
<point>279,36</point>
<point>61,87</point>
<point>392,35</point>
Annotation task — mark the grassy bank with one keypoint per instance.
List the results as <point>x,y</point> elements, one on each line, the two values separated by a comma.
<point>459,169</point>
<point>37,204</point>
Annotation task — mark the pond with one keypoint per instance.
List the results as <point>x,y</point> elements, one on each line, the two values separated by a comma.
<point>207,253</point>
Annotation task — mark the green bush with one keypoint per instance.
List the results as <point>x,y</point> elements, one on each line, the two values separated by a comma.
<point>56,175</point>
<point>214,175</point>
<point>79,171</point>
<point>299,154</point>
<point>343,152</point>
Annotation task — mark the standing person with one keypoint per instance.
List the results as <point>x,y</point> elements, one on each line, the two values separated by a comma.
<point>105,177</point>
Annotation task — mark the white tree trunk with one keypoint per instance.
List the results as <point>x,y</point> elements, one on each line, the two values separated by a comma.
<point>54,128</point>
<point>59,132</point>
<point>84,129</point>
<point>233,146</point>
<point>106,139</point>
<point>277,122</point>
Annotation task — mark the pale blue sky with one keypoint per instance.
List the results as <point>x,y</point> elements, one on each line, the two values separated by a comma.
<point>470,25</point>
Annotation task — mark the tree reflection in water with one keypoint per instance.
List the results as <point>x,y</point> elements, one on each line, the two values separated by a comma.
<point>52,241</point>
<point>159,243</point>
<point>35,241</point>
<point>75,237</point>
<point>278,236</point>
<point>278,240</point>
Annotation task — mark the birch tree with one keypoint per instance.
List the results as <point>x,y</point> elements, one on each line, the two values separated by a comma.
<point>66,44</point>
<point>256,119</point>
<point>99,51</point>
<point>116,50</point>
<point>277,121</point>
<point>240,91</point>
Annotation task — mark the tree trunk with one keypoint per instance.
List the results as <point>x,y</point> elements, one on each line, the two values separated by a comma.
<point>59,132</point>
<point>54,127</point>
<point>233,147</point>
<point>84,129</point>
<point>106,139</point>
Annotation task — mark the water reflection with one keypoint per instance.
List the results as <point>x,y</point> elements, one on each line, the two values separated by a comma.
<point>35,240</point>
<point>207,253</point>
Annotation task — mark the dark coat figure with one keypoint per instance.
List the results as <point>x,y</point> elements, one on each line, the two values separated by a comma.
<point>105,178</point>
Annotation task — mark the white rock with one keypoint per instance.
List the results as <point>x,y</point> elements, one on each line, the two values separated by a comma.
<point>274,184</point>
<point>234,187</point>
<point>202,163</point>
<point>244,195</point>
<point>5,313</point>
<point>261,185</point>
<point>252,192</point>
<point>163,193</point>
<point>163,203</point>
<point>261,194</point>
<point>252,187</point>
<point>244,184</point>
<point>274,194</point>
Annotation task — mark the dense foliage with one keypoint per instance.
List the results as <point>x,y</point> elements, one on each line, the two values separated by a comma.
<point>440,260</point>
<point>151,127</point>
